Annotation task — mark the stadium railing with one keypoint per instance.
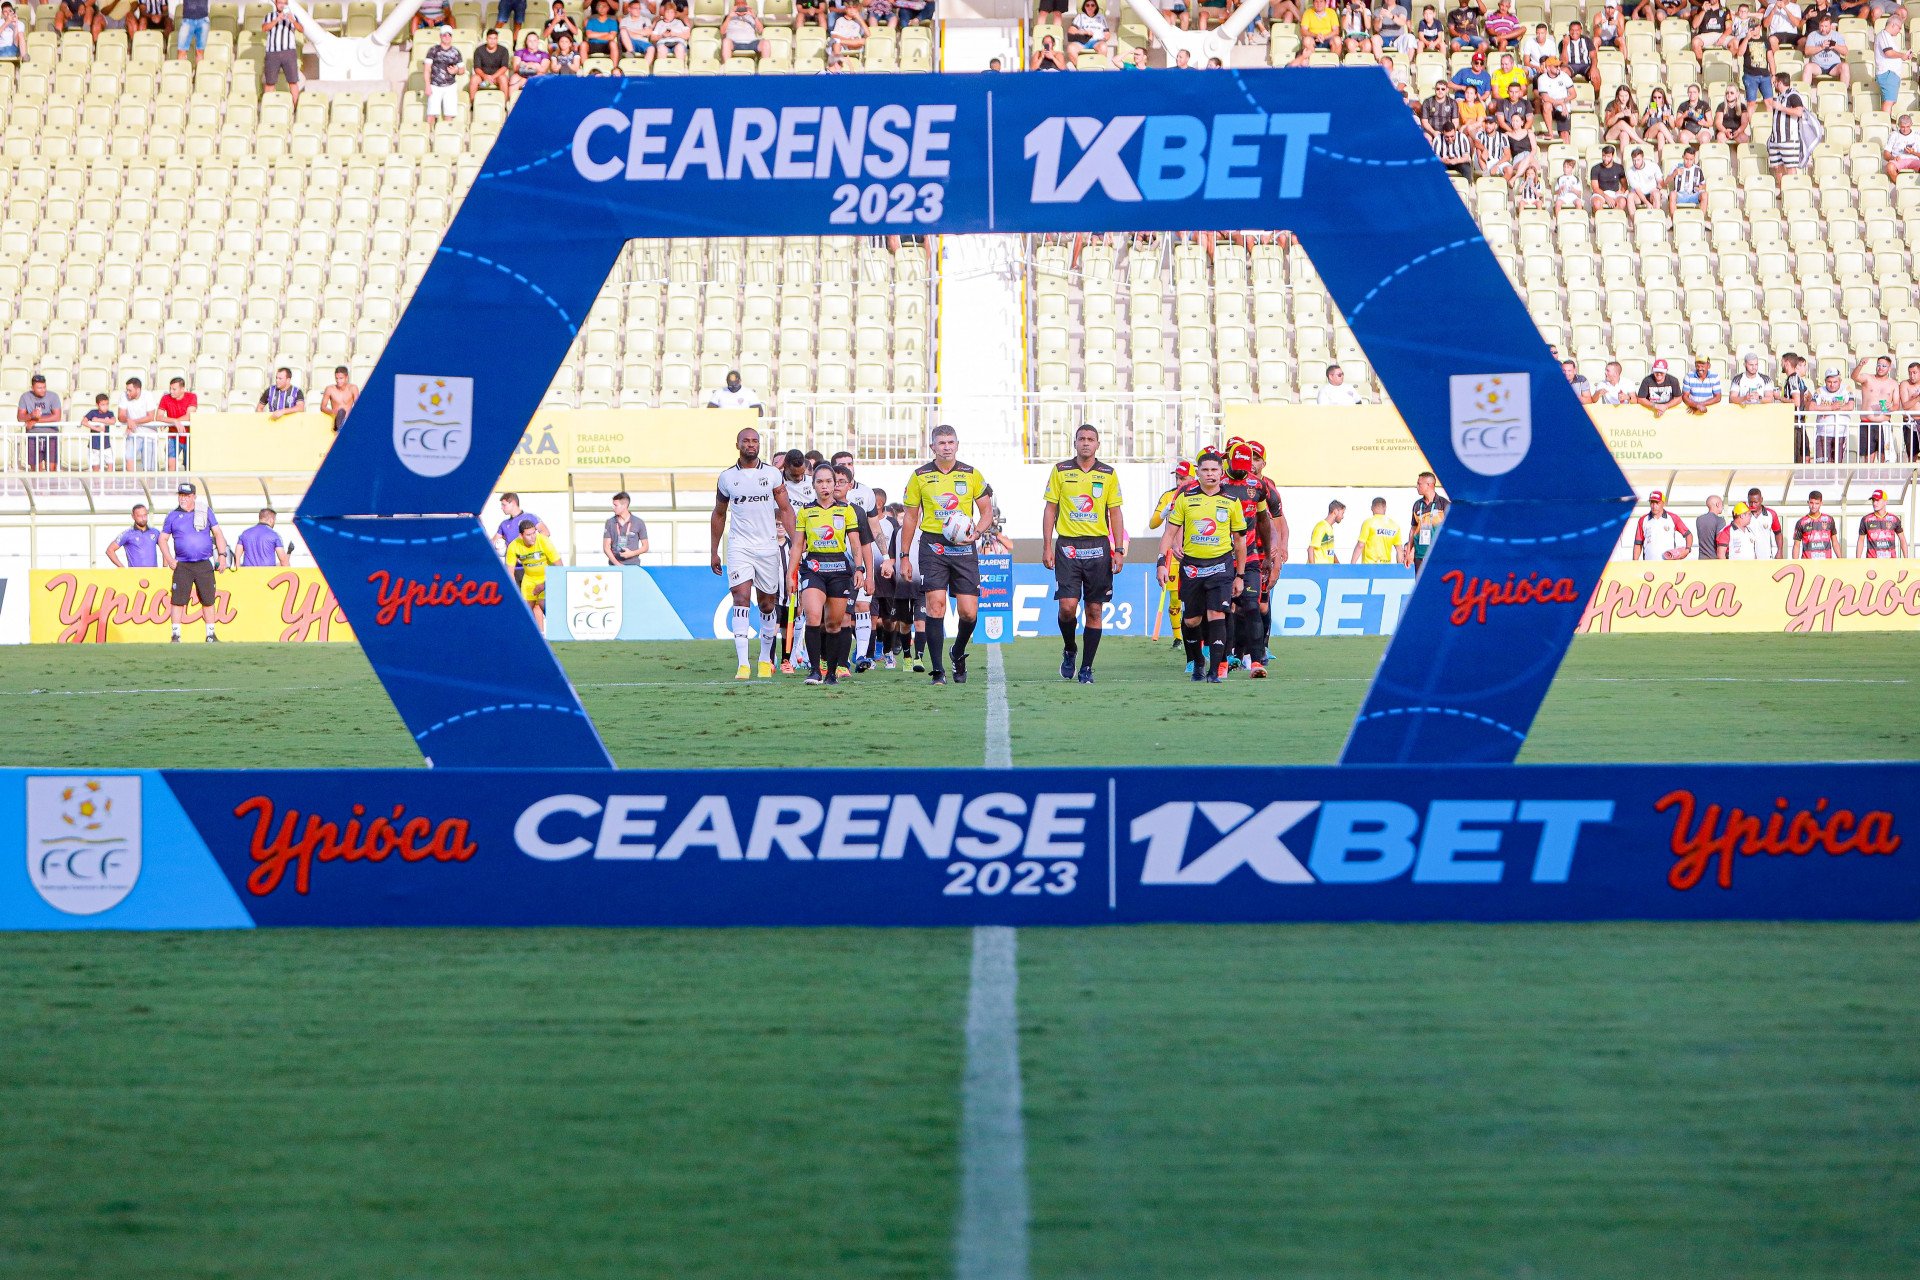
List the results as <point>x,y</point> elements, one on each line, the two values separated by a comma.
<point>1036,426</point>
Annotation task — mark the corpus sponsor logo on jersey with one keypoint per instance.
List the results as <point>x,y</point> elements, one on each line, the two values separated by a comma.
<point>594,604</point>
<point>1364,841</point>
<point>1131,159</point>
<point>1492,420</point>
<point>83,841</point>
<point>432,422</point>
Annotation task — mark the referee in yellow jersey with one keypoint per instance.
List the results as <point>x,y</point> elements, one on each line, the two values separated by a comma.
<point>944,497</point>
<point>1210,527</point>
<point>1088,544</point>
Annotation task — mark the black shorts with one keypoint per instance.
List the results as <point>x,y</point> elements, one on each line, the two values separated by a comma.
<point>954,570</point>
<point>1873,437</point>
<point>1206,586</point>
<point>193,578</point>
<point>1250,590</point>
<point>1083,570</point>
<point>834,577</point>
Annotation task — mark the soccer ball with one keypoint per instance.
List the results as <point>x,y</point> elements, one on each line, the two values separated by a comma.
<point>957,526</point>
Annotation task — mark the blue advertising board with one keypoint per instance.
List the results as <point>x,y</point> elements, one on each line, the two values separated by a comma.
<point>1330,154</point>
<point>186,849</point>
<point>687,603</point>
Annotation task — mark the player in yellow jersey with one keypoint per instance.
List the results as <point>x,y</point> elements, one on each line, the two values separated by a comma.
<point>949,505</point>
<point>830,566</point>
<point>1085,543</point>
<point>529,557</point>
<point>1320,548</point>
<point>1209,527</point>
<point>1379,541</point>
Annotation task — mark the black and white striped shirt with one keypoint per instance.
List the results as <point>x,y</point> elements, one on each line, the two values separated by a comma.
<point>1453,148</point>
<point>282,37</point>
<point>1579,51</point>
<point>1785,130</point>
<point>1688,179</point>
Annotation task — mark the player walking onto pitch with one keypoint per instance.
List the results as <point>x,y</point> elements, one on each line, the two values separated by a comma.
<point>757,499</point>
<point>830,567</point>
<point>529,556</point>
<point>947,502</point>
<point>1272,547</point>
<point>1089,543</point>
<point>860,497</point>
<point>1212,540</point>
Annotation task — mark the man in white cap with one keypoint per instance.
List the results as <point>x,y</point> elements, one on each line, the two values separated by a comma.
<point>1833,408</point>
<point>1658,391</point>
<point>1660,534</point>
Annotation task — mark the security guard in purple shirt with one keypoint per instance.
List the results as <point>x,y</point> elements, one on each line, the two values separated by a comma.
<point>193,540</point>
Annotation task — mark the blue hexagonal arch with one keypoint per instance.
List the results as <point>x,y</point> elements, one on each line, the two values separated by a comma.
<point>584,165</point>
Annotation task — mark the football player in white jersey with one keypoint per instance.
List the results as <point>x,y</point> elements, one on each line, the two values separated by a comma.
<point>796,472</point>
<point>750,507</point>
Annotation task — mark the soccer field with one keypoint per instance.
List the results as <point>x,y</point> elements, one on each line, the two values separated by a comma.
<point>1285,1101</point>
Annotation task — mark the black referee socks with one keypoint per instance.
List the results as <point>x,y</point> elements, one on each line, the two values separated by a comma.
<point>1093,647</point>
<point>962,634</point>
<point>937,642</point>
<point>1068,627</point>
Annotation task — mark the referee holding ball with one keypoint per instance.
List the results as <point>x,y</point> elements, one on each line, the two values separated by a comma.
<point>193,540</point>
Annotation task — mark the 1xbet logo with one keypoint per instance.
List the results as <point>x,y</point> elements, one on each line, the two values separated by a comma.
<point>1176,158</point>
<point>1364,841</point>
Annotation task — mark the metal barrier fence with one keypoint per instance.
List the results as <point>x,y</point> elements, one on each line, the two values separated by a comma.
<point>1033,427</point>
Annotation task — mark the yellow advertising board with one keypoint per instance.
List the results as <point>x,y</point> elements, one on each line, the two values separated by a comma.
<point>1670,596</point>
<point>551,447</point>
<point>122,606</point>
<point>1369,446</point>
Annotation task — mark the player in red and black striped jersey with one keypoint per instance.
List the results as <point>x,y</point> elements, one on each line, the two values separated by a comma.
<point>1276,551</point>
<point>1882,536</point>
<point>1815,535</point>
<point>1249,642</point>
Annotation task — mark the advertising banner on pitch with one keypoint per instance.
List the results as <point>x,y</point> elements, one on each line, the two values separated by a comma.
<point>133,606</point>
<point>447,847</point>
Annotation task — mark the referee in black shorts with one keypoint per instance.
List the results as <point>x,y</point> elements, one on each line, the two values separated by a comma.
<point>1208,526</point>
<point>1088,544</point>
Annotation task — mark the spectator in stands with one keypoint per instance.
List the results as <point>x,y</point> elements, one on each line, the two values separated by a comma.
<point>444,66</point>
<point>1656,122</point>
<point>1910,420</point>
<point>1555,91</point>
<point>1902,152</point>
<point>529,60</point>
<point>1473,111</point>
<point>283,41</point>
<point>1391,25</point>
<point>73,15</point>
<point>565,58</point>
<point>1750,385</point>
<point>848,31</point>
<point>1621,123</point>
<point>1710,23</point>
<point>1514,118</point>
<point>1610,182</point>
<point>514,12</point>
<point>40,411</point>
<point>1577,54</point>
<point>636,32</point>
<point>602,37</point>
<point>559,23</point>
<point>670,34</point>
<point>816,12</point>
<point>1693,119</point>
<point>1049,58</point>
<point>140,415</point>
<point>1687,184</point>
<point>1611,389</point>
<point>151,15</point>
<point>107,19</point>
<point>1782,18</point>
<point>338,399</point>
<point>1463,28</point>
<point>432,13</point>
<point>1700,389</point>
<point>176,418</point>
<point>1707,527</point>
<point>624,540</point>
<point>1733,123</point>
<point>1429,35</point>
<point>1826,54</point>
<point>492,68</point>
<point>1582,389</point>
<point>1503,28</point>
<point>262,547</point>
<point>1891,59</point>
<point>1319,30</point>
<point>1643,183</point>
<point>191,36</point>
<point>1135,61</point>
<point>1456,151</point>
<point>1795,131</point>
<point>102,424</point>
<point>1879,396</point>
<point>1537,48</point>
<point>1439,111</point>
<point>1474,76</point>
<point>510,527</point>
<point>1658,392</point>
<point>1356,28</point>
<point>1833,408</point>
<point>13,36</point>
<point>741,32</point>
<point>138,545</point>
<point>1751,46</point>
<point>736,396</point>
<point>1336,390</point>
<point>1609,29</point>
<point>1398,76</point>
<point>1567,190</point>
<point>1506,76</point>
<point>282,399</point>
<point>1493,150</point>
<point>914,11</point>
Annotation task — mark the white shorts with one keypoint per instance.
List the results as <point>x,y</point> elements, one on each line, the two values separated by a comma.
<point>764,569</point>
<point>443,100</point>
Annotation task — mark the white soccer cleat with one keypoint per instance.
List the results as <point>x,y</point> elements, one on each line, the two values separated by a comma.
<point>744,673</point>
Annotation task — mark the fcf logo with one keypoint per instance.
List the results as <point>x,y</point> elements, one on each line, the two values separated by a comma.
<point>432,422</point>
<point>83,841</point>
<point>594,605</point>
<point>1492,420</point>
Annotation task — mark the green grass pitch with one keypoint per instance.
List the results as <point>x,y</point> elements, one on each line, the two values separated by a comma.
<point>1598,1101</point>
